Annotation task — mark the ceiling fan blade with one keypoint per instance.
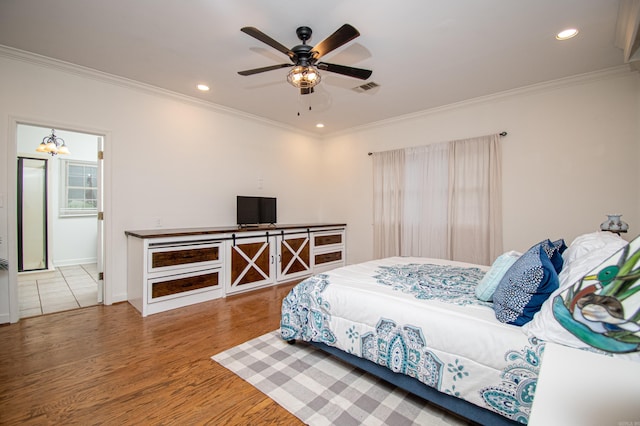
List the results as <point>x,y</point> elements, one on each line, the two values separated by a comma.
<point>263,69</point>
<point>343,35</point>
<point>345,70</point>
<point>257,34</point>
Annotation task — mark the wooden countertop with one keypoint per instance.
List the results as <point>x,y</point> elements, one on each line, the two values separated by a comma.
<point>181,232</point>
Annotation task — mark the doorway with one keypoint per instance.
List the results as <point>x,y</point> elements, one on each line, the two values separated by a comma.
<point>59,235</point>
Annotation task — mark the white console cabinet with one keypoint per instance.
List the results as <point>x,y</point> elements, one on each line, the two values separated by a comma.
<point>167,273</point>
<point>169,269</point>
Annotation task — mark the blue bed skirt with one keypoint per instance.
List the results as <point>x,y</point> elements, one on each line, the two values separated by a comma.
<point>450,403</point>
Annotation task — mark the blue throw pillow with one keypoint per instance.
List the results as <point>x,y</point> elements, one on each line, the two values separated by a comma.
<point>554,251</point>
<point>525,286</point>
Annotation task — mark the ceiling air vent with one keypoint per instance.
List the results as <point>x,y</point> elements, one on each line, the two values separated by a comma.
<point>366,87</point>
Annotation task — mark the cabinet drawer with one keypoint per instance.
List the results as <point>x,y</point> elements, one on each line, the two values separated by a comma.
<point>327,239</point>
<point>328,257</point>
<point>179,285</point>
<point>175,257</point>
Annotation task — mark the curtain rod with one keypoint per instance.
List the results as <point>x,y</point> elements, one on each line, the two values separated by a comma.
<point>501,134</point>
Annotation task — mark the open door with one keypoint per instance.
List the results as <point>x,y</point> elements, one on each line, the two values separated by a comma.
<point>100,248</point>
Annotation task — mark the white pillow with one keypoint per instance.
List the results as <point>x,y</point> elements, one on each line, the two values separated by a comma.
<point>487,285</point>
<point>584,244</point>
<point>585,253</point>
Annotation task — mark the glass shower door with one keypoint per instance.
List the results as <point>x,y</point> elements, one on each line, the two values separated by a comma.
<point>32,214</point>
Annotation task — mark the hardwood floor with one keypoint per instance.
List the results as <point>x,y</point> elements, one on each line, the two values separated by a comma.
<point>108,365</point>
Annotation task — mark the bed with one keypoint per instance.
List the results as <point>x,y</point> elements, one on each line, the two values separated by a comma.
<point>419,324</point>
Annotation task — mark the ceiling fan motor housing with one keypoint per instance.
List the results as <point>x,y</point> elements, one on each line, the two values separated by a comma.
<point>304,34</point>
<point>303,55</point>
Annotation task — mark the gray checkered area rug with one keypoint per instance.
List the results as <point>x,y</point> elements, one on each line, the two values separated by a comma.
<point>322,390</point>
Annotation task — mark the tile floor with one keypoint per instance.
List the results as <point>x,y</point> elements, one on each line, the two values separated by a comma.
<point>68,287</point>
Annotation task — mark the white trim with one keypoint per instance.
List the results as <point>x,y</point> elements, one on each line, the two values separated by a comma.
<point>12,219</point>
<point>72,262</point>
<point>117,298</point>
<point>79,70</point>
<point>86,72</point>
<point>107,243</point>
<point>614,72</point>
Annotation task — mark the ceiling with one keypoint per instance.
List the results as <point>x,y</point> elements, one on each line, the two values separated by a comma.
<point>423,53</point>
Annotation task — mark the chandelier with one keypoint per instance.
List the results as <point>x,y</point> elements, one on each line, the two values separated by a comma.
<point>53,145</point>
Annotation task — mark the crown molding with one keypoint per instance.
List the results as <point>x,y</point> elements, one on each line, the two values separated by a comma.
<point>81,71</point>
<point>78,70</point>
<point>607,73</point>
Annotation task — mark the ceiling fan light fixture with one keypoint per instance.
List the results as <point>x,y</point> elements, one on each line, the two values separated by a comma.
<point>303,77</point>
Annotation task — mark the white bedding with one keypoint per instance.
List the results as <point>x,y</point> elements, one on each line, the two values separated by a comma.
<point>420,317</point>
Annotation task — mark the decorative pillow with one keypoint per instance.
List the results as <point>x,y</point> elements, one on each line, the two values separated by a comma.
<point>525,287</point>
<point>487,285</point>
<point>554,250</point>
<point>602,309</point>
<point>585,254</point>
<point>589,243</point>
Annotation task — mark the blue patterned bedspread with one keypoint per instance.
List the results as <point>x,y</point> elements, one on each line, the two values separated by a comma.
<point>420,317</point>
<point>452,284</point>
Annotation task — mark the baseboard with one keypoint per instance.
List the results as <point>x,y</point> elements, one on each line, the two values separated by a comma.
<point>73,262</point>
<point>117,298</point>
<point>5,318</point>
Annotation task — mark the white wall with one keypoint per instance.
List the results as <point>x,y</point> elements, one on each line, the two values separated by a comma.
<point>181,163</point>
<point>571,156</point>
<point>167,160</point>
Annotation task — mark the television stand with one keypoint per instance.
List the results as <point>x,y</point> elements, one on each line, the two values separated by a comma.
<point>171,268</point>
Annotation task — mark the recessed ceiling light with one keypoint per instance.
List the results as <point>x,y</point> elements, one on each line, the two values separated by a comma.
<point>203,87</point>
<point>319,125</point>
<point>567,34</point>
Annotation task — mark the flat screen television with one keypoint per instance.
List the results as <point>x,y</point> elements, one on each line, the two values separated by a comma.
<point>255,210</point>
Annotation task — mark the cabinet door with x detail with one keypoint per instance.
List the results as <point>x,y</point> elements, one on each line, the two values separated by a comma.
<point>294,256</point>
<point>252,263</point>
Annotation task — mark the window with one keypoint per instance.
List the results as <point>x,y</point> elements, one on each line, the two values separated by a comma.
<point>80,188</point>
<point>440,201</point>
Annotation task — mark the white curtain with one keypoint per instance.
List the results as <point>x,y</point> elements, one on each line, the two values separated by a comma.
<point>426,202</point>
<point>475,200</point>
<point>388,184</point>
<point>441,201</point>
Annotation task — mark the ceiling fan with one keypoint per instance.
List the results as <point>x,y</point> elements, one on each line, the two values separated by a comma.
<point>304,74</point>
